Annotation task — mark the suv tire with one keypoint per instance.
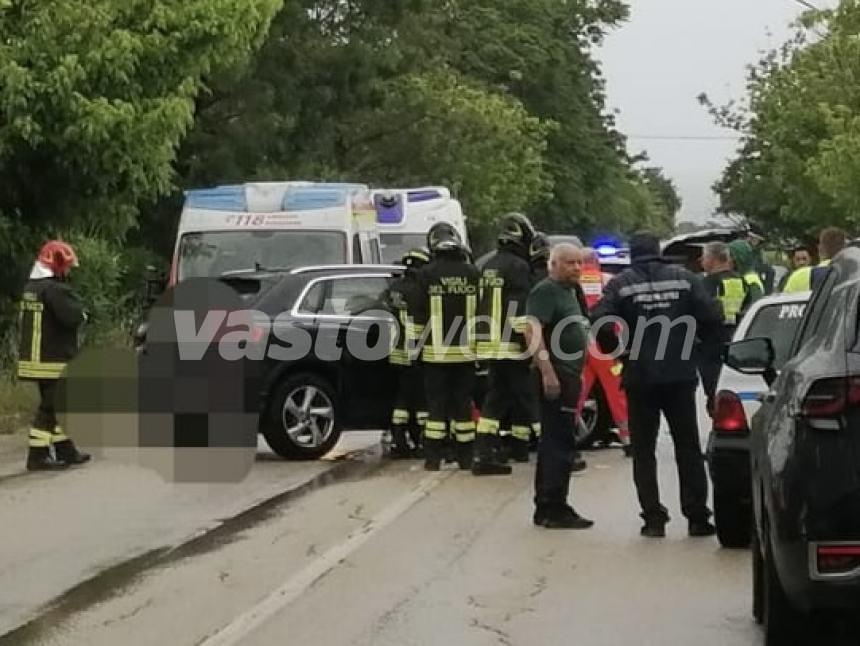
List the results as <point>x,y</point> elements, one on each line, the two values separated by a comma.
<point>301,421</point>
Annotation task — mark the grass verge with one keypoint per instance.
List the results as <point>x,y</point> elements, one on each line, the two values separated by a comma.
<point>17,403</point>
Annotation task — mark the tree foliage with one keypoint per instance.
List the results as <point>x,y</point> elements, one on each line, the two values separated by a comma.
<point>799,164</point>
<point>502,101</point>
<point>95,97</point>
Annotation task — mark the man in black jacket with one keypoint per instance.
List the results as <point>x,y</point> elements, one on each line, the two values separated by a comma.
<point>51,314</point>
<point>663,307</point>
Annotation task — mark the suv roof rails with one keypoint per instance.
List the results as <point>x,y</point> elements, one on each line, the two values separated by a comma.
<point>311,268</point>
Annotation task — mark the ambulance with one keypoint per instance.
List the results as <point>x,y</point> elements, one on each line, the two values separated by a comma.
<point>274,225</point>
<point>405,215</point>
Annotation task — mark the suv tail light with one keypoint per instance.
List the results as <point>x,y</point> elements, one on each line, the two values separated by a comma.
<point>830,397</point>
<point>835,560</point>
<point>729,414</point>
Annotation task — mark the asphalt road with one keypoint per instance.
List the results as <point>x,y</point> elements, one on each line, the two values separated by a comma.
<point>359,552</point>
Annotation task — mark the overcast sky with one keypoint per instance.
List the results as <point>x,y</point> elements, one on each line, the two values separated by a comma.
<point>664,57</point>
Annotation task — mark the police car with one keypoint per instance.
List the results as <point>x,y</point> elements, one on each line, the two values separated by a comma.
<point>776,317</point>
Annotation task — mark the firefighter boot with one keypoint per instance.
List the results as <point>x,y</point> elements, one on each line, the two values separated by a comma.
<point>67,452</point>
<point>485,463</point>
<point>399,445</point>
<point>434,451</point>
<point>40,459</point>
<point>465,455</point>
<point>416,434</point>
<point>519,450</point>
<point>504,449</point>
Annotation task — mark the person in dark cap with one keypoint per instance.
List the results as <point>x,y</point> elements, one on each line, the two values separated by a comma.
<point>766,272</point>
<point>664,307</point>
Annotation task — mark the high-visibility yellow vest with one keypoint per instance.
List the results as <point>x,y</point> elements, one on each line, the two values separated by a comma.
<point>801,279</point>
<point>732,298</point>
<point>752,278</point>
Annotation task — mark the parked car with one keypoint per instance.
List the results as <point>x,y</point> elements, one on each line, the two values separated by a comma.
<point>805,457</point>
<point>738,397</point>
<point>307,400</point>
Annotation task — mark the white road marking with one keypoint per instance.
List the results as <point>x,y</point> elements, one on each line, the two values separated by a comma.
<point>246,623</point>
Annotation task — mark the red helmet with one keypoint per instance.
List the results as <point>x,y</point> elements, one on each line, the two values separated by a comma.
<point>58,256</point>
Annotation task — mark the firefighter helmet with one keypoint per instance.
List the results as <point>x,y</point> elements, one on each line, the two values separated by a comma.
<point>517,230</point>
<point>58,256</point>
<point>415,258</point>
<point>443,236</point>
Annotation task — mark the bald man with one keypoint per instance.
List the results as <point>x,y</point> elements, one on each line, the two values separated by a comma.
<point>557,334</point>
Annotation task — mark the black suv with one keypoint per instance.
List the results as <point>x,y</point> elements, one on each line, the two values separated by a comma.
<point>307,398</point>
<point>805,458</point>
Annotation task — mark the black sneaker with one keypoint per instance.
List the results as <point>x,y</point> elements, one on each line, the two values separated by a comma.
<point>628,451</point>
<point>701,528</point>
<point>432,465</point>
<point>578,465</point>
<point>654,529</point>
<point>568,519</point>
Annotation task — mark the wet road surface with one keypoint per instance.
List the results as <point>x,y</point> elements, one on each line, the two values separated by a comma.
<point>61,529</point>
<point>384,553</point>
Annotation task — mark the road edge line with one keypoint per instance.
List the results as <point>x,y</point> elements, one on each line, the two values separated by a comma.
<point>246,623</point>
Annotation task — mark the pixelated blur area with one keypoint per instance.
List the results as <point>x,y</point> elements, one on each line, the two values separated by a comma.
<point>180,407</point>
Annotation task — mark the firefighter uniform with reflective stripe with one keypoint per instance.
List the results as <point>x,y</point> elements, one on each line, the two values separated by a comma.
<point>49,317</point>
<point>511,395</point>
<point>410,410</point>
<point>735,296</point>
<point>445,316</point>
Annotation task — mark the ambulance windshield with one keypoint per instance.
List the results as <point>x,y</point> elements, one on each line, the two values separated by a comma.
<point>395,245</point>
<point>213,253</point>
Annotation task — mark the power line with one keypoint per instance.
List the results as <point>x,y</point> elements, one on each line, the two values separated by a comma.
<point>686,137</point>
<point>807,4</point>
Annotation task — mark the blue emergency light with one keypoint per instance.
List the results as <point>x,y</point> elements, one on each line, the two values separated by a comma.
<point>606,250</point>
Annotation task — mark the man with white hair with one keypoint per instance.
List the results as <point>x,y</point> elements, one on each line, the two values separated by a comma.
<point>557,335</point>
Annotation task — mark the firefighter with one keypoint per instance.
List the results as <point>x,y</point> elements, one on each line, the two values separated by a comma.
<point>445,318</point>
<point>601,369</point>
<point>831,241</point>
<point>50,315</point>
<point>743,259</point>
<point>410,410</point>
<point>511,395</point>
<point>727,286</point>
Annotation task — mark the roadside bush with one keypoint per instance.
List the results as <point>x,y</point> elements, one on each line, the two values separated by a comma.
<point>110,281</point>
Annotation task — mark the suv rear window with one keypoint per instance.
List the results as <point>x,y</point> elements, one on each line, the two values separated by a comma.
<point>778,322</point>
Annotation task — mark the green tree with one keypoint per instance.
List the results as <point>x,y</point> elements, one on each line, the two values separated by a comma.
<point>798,166</point>
<point>95,97</point>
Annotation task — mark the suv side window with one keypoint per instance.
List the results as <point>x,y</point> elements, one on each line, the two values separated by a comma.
<point>314,299</point>
<point>352,296</point>
<point>815,311</point>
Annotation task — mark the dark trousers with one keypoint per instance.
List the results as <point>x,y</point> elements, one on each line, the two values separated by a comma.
<point>448,389</point>
<point>511,400</point>
<point>46,415</point>
<point>557,446</point>
<point>678,403</point>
